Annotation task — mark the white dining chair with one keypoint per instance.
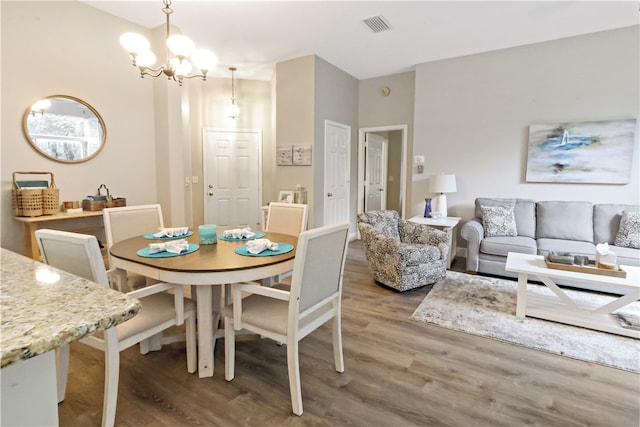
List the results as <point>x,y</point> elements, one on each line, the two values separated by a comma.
<point>286,218</point>
<point>80,254</point>
<point>129,221</point>
<point>286,314</point>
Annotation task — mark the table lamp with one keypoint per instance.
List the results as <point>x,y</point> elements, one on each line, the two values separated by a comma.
<point>443,183</point>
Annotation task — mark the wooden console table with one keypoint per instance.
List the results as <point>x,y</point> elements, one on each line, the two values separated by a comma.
<point>31,224</point>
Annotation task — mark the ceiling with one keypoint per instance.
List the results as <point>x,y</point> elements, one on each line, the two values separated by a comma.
<point>255,35</point>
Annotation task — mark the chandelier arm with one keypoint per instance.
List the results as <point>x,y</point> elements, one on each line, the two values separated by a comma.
<point>191,76</point>
<point>153,72</point>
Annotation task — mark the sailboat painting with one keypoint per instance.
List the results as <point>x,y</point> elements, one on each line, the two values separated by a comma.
<point>598,152</point>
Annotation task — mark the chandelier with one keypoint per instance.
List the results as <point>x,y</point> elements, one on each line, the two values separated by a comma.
<point>232,111</point>
<point>179,47</point>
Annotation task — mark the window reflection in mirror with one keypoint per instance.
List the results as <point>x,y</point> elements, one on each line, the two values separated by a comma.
<point>64,128</point>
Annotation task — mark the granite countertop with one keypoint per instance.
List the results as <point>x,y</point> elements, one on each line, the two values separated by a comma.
<point>43,308</point>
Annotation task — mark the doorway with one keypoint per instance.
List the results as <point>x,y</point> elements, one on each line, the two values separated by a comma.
<point>232,173</point>
<point>376,154</point>
<point>337,158</point>
<point>395,176</point>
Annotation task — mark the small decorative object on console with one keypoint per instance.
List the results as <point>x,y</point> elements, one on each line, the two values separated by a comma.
<point>427,208</point>
<point>436,215</point>
<point>98,201</point>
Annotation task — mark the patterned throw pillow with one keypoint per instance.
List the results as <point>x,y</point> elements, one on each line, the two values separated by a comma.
<point>499,221</point>
<point>629,231</point>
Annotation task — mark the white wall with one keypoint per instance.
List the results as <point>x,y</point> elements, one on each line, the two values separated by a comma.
<point>206,109</point>
<point>72,49</point>
<point>472,114</point>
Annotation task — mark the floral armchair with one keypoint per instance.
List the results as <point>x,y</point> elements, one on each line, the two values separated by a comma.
<point>403,255</point>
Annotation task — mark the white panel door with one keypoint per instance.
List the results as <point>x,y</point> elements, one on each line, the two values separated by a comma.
<point>376,155</point>
<point>232,178</point>
<point>337,172</point>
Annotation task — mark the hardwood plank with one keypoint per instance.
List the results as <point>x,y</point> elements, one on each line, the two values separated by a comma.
<point>397,373</point>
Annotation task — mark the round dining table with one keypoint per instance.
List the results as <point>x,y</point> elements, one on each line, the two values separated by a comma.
<point>206,270</point>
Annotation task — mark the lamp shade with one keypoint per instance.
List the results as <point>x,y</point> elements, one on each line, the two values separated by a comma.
<point>443,183</point>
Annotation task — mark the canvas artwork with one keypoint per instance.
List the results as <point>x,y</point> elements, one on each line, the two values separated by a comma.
<point>581,152</point>
<point>284,155</point>
<point>302,155</point>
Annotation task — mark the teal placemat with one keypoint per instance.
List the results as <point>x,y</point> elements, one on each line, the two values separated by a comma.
<point>151,236</point>
<point>259,234</point>
<point>283,248</point>
<point>144,252</point>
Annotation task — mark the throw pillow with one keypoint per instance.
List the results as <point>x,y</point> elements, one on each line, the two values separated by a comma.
<point>499,221</point>
<point>629,231</point>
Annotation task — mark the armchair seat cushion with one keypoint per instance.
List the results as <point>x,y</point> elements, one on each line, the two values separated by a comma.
<point>400,254</point>
<point>410,254</point>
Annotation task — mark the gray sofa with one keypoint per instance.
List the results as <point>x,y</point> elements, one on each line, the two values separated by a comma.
<point>567,226</point>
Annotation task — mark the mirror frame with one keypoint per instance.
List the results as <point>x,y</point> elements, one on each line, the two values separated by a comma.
<point>27,135</point>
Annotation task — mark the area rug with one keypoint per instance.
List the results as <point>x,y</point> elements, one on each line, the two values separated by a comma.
<point>487,306</point>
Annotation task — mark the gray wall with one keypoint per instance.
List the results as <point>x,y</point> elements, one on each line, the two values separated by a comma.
<point>336,99</point>
<point>472,114</point>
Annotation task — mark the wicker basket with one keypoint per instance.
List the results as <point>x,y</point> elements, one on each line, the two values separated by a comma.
<point>31,202</point>
<point>93,205</point>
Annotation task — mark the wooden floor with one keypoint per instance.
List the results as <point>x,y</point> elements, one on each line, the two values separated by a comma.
<point>397,373</point>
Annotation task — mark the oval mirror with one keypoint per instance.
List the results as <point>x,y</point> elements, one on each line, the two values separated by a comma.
<point>64,129</point>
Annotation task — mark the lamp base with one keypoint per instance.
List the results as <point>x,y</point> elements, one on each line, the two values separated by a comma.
<point>440,204</point>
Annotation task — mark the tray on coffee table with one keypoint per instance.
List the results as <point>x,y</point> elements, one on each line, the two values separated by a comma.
<point>590,268</point>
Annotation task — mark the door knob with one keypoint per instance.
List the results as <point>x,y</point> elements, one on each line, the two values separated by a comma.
<point>329,194</point>
<point>211,193</point>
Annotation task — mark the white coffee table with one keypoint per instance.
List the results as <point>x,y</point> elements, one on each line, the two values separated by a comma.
<point>561,308</point>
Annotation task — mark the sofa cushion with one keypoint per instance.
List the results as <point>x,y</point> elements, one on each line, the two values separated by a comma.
<point>525,213</point>
<point>499,221</point>
<point>503,245</point>
<point>626,256</point>
<point>565,220</point>
<point>629,232</point>
<point>606,221</point>
<point>573,246</point>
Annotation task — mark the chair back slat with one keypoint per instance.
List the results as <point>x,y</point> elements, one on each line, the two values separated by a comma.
<point>287,218</point>
<point>130,221</point>
<point>74,253</point>
<point>319,265</point>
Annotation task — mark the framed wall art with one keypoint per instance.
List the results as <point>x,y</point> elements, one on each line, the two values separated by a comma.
<point>302,155</point>
<point>597,152</point>
<point>284,155</point>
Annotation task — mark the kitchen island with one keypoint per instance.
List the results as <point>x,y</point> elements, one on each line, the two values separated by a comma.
<point>41,309</point>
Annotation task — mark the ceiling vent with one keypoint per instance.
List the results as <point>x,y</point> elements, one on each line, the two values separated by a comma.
<point>377,24</point>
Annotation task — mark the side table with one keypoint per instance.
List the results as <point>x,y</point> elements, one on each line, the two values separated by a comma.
<point>447,224</point>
